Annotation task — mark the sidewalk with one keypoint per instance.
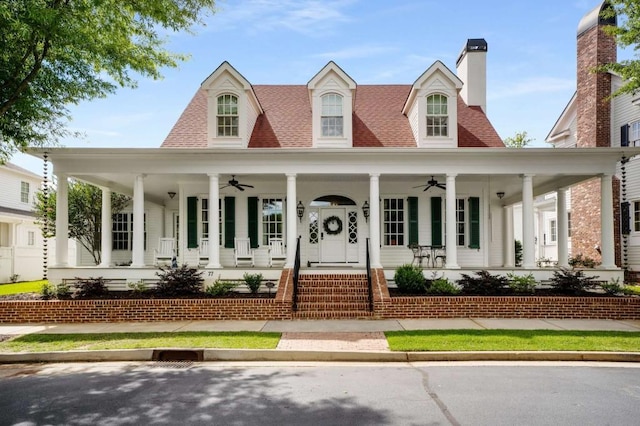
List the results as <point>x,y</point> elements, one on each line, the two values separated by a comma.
<point>325,340</point>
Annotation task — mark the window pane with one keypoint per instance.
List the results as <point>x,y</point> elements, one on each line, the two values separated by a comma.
<point>393,223</point>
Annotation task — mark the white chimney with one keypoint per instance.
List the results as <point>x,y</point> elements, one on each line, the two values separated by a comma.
<point>471,67</point>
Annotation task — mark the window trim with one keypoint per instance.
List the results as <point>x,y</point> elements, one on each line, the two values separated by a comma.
<point>325,115</point>
<point>635,217</point>
<point>403,222</point>
<point>25,195</point>
<point>129,231</point>
<point>442,104</point>
<point>263,236</point>
<point>224,115</point>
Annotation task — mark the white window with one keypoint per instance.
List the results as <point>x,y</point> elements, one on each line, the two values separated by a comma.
<point>272,219</point>
<point>634,133</point>
<point>636,216</point>
<point>31,238</point>
<point>393,214</point>
<point>460,221</point>
<point>332,117</point>
<point>569,224</point>
<point>437,116</point>
<point>205,218</point>
<point>24,192</point>
<point>122,231</point>
<point>227,115</point>
<point>553,230</point>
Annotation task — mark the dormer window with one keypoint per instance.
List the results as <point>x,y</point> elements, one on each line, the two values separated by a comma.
<point>227,116</point>
<point>332,117</point>
<point>437,116</point>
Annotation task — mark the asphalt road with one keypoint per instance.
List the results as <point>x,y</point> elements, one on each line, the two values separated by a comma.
<point>320,394</point>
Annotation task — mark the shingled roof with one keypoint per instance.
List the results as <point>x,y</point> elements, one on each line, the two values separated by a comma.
<point>286,123</point>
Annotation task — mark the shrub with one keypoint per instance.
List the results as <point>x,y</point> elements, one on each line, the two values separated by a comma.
<point>613,287</point>
<point>138,287</point>
<point>52,291</point>
<point>631,290</point>
<point>522,284</point>
<point>483,283</point>
<point>579,261</point>
<point>442,286</point>
<point>91,287</point>
<point>572,282</point>
<point>409,279</point>
<point>179,281</point>
<point>518,252</point>
<point>220,288</point>
<point>253,281</point>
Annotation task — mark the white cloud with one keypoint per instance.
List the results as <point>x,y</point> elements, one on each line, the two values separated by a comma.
<point>310,17</point>
<point>355,52</point>
<point>531,85</point>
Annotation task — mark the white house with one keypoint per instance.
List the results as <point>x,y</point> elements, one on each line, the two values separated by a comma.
<point>21,248</point>
<point>346,170</point>
<point>592,119</point>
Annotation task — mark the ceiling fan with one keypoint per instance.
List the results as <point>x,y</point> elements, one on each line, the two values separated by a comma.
<point>431,183</point>
<point>233,182</point>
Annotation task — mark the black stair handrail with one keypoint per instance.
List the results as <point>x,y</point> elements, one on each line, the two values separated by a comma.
<point>369,286</point>
<point>296,275</point>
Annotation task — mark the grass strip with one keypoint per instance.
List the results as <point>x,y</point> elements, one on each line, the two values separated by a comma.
<point>23,287</point>
<point>100,341</point>
<point>513,340</point>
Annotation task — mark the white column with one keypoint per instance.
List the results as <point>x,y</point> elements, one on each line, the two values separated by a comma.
<point>292,218</point>
<point>137,255</point>
<point>528,224</point>
<point>106,239</point>
<point>562,228</point>
<point>62,221</point>
<point>451,246</point>
<point>214,222</point>
<point>607,245</point>
<point>508,244</point>
<point>374,220</point>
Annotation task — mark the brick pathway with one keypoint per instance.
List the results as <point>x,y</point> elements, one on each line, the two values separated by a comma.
<point>334,341</point>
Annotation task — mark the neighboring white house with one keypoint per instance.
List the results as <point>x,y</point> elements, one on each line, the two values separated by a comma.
<point>590,119</point>
<point>20,237</point>
<point>347,168</point>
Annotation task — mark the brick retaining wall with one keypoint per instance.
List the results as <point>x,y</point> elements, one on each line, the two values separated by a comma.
<point>134,310</point>
<point>510,307</point>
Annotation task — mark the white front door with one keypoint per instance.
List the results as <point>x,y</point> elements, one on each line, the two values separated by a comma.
<point>333,235</point>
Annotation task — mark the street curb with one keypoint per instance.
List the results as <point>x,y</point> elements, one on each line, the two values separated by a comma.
<point>276,355</point>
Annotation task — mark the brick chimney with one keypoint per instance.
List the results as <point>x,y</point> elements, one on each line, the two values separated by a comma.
<point>471,67</point>
<point>594,48</point>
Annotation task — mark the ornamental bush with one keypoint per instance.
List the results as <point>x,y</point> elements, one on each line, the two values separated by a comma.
<point>442,286</point>
<point>253,281</point>
<point>483,283</point>
<point>572,281</point>
<point>220,288</point>
<point>522,283</point>
<point>179,281</point>
<point>409,279</point>
<point>87,288</point>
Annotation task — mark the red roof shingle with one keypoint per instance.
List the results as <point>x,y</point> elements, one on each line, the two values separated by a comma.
<point>286,122</point>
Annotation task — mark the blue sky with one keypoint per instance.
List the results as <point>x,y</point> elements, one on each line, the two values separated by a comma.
<point>531,60</point>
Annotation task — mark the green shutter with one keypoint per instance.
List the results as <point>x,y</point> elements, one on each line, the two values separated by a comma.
<point>436,221</point>
<point>192,222</point>
<point>474,224</point>
<point>229,221</point>
<point>252,212</point>
<point>413,220</point>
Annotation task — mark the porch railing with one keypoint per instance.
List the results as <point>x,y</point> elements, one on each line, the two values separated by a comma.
<point>369,286</point>
<point>296,275</point>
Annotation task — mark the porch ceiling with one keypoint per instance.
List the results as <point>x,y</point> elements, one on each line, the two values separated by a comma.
<point>165,168</point>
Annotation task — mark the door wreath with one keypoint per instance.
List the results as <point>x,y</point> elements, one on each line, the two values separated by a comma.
<point>332,225</point>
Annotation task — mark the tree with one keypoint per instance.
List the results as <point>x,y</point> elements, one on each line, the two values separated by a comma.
<point>85,215</point>
<point>626,33</point>
<point>519,140</point>
<point>59,52</point>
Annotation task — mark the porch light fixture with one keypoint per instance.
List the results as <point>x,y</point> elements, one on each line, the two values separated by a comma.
<point>300,210</point>
<point>171,194</point>
<point>500,194</point>
<point>365,211</point>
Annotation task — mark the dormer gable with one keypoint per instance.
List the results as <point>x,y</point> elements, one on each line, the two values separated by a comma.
<point>432,107</point>
<point>232,108</point>
<point>332,97</point>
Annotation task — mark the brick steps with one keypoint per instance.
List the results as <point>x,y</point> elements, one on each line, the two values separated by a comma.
<point>332,296</point>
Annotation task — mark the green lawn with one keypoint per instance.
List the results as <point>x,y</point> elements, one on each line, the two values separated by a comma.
<point>22,287</point>
<point>513,340</point>
<point>98,341</point>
